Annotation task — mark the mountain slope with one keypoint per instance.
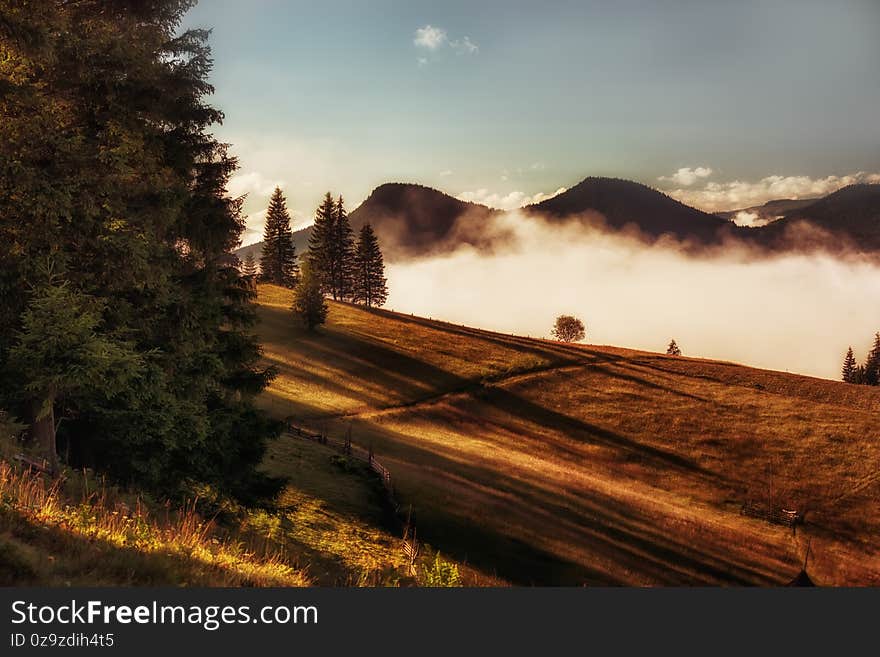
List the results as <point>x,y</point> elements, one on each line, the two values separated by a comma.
<point>547,463</point>
<point>413,220</point>
<point>851,215</point>
<point>623,202</point>
<point>410,220</point>
<point>769,211</point>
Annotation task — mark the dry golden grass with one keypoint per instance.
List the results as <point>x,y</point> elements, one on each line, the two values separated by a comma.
<point>48,538</point>
<point>544,463</point>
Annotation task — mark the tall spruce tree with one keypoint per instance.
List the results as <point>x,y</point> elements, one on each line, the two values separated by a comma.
<point>369,283</point>
<point>342,253</point>
<point>320,256</point>
<point>110,174</point>
<point>850,368</point>
<point>872,363</point>
<point>278,261</point>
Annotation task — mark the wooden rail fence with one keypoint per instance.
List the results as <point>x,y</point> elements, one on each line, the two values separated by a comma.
<point>773,515</point>
<point>411,545</point>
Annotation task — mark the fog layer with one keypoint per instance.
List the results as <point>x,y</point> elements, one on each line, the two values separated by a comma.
<point>791,312</point>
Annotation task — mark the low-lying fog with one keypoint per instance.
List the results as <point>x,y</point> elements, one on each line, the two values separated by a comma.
<point>794,312</point>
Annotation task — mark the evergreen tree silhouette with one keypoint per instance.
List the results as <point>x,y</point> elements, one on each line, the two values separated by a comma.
<point>320,255</point>
<point>249,268</point>
<point>850,369</point>
<point>278,262</point>
<point>370,285</point>
<point>672,349</point>
<point>872,364</point>
<point>342,253</point>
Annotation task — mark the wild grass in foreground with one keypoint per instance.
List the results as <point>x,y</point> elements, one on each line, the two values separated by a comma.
<point>49,537</point>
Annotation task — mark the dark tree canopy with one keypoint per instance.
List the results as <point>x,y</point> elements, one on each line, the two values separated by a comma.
<point>673,349</point>
<point>115,229</point>
<point>568,329</point>
<point>369,284</point>
<point>278,261</point>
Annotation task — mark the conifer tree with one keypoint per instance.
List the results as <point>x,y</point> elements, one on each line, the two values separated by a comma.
<point>109,169</point>
<point>850,369</point>
<point>309,305</point>
<point>249,268</point>
<point>872,364</point>
<point>342,253</point>
<point>321,244</point>
<point>278,261</point>
<point>369,283</point>
<point>672,349</point>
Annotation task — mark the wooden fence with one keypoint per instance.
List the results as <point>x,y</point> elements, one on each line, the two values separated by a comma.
<point>411,545</point>
<point>773,515</point>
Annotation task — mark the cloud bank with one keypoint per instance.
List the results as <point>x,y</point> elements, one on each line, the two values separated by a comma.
<point>716,196</point>
<point>795,312</point>
<point>510,201</point>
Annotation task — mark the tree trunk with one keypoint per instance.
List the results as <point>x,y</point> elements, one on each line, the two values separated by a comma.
<point>43,433</point>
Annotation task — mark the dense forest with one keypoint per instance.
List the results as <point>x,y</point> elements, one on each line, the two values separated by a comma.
<point>125,338</point>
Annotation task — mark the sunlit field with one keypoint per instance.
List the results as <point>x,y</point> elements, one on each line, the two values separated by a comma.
<point>549,464</point>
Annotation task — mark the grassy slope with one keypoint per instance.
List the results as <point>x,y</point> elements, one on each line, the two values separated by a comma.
<point>545,463</point>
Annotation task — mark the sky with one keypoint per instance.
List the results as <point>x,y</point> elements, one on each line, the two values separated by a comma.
<point>723,105</point>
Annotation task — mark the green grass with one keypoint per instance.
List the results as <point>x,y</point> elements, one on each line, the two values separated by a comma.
<point>543,463</point>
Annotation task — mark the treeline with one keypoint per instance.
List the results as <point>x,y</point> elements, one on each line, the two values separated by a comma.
<point>338,265</point>
<point>124,330</point>
<point>867,373</point>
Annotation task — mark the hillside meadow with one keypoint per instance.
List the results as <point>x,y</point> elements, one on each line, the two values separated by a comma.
<point>542,463</point>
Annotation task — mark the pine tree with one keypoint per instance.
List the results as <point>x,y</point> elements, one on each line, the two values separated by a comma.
<point>850,369</point>
<point>249,268</point>
<point>872,364</point>
<point>132,213</point>
<point>342,253</point>
<point>309,305</point>
<point>369,283</point>
<point>672,349</point>
<point>278,261</point>
<point>321,243</point>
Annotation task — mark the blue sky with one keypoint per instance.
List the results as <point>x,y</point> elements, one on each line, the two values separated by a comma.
<point>717,102</point>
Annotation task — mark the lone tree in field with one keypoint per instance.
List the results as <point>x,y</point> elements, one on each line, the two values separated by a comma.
<point>369,282</point>
<point>672,349</point>
<point>278,262</point>
<point>850,370</point>
<point>568,329</point>
<point>308,299</point>
<point>249,268</point>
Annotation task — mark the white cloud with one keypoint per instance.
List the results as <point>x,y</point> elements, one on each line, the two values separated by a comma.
<point>723,196</point>
<point>687,176</point>
<point>465,46</point>
<point>430,37</point>
<point>445,173</point>
<point>510,201</point>
<point>750,219</point>
<point>252,182</point>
